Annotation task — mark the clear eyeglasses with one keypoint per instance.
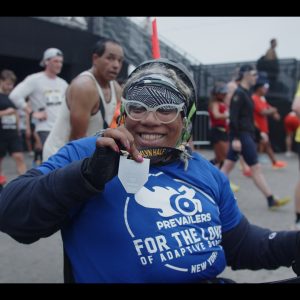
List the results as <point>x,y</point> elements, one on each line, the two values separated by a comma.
<point>165,113</point>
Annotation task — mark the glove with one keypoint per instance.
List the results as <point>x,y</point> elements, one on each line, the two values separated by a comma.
<point>296,262</point>
<point>101,167</point>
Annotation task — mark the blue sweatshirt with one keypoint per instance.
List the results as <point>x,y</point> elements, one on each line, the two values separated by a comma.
<point>181,226</point>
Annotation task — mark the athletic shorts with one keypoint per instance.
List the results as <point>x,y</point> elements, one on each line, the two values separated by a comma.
<point>291,123</point>
<point>258,137</point>
<point>10,144</point>
<point>43,136</point>
<point>248,149</point>
<point>298,152</point>
<point>218,134</point>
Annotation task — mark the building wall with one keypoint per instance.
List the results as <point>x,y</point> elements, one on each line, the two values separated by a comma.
<point>24,39</point>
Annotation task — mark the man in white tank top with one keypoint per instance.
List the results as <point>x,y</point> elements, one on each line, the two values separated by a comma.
<point>45,91</point>
<point>91,98</point>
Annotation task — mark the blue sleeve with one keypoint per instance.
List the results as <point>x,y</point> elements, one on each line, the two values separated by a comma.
<point>218,185</point>
<point>230,213</point>
<point>36,205</point>
<point>72,151</point>
<point>251,247</point>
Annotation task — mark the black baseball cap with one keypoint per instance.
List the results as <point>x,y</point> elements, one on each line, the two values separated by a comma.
<point>243,69</point>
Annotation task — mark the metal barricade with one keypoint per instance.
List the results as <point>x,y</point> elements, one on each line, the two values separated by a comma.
<point>201,128</point>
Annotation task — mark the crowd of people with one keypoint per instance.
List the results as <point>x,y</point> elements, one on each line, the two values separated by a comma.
<point>54,112</point>
<point>173,216</point>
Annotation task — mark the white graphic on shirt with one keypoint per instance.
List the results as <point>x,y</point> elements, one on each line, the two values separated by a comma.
<point>272,235</point>
<point>184,203</point>
<point>186,238</point>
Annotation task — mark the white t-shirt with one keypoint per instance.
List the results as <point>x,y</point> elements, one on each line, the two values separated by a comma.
<point>61,130</point>
<point>22,119</point>
<point>44,93</point>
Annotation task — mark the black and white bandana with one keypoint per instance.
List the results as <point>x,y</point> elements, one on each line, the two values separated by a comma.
<point>155,90</point>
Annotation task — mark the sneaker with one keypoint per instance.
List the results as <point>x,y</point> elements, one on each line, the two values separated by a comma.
<point>3,179</point>
<point>279,202</point>
<point>289,154</point>
<point>279,164</point>
<point>247,173</point>
<point>234,187</point>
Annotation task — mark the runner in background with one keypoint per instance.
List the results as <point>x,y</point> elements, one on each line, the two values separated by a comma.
<point>263,110</point>
<point>10,135</point>
<point>291,123</point>
<point>91,98</point>
<point>45,91</point>
<point>242,136</point>
<point>296,109</point>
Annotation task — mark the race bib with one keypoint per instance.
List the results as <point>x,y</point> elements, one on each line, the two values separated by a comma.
<point>53,98</point>
<point>9,122</point>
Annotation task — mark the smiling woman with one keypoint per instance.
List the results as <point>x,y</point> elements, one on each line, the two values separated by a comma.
<point>153,98</point>
<point>182,224</point>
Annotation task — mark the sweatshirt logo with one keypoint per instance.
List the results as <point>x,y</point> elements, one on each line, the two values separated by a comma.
<point>179,231</point>
<point>168,201</point>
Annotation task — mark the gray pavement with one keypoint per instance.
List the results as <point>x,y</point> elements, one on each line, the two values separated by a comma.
<point>42,262</point>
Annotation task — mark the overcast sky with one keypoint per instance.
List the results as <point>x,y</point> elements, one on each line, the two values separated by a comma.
<point>230,39</point>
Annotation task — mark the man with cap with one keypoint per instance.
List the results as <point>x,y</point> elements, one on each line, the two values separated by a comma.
<point>242,135</point>
<point>91,99</point>
<point>231,87</point>
<point>169,216</point>
<point>44,90</point>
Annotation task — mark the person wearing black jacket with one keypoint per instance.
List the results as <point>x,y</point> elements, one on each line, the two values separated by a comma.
<point>242,135</point>
<point>182,225</point>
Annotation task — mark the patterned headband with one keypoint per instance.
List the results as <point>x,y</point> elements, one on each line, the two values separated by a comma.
<point>155,90</point>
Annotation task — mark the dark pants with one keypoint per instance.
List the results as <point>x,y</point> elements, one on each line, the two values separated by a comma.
<point>249,151</point>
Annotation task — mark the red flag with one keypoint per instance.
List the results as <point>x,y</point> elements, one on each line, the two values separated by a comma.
<point>155,41</point>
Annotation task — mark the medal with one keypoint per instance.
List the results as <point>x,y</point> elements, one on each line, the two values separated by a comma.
<point>133,175</point>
